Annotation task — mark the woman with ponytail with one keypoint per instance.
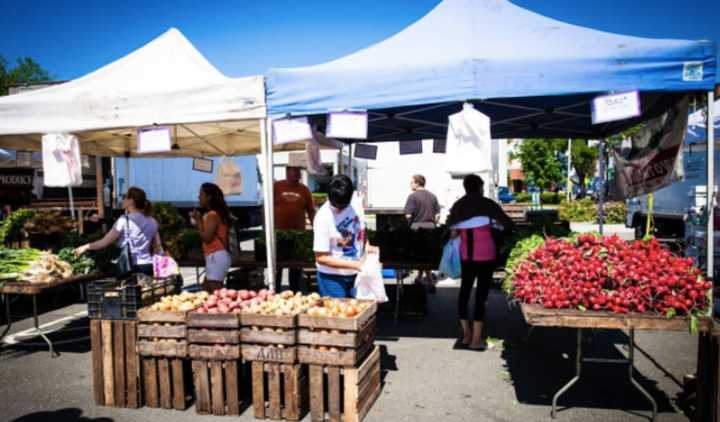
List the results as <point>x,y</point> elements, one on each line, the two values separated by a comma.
<point>136,227</point>
<point>214,229</point>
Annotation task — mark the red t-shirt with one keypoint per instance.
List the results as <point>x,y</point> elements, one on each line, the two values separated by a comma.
<point>291,203</point>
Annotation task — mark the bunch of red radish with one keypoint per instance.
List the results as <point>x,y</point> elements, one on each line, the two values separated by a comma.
<point>610,274</point>
<point>230,301</point>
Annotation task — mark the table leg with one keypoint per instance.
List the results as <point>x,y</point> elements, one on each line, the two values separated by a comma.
<point>8,321</point>
<point>398,287</point>
<point>631,362</point>
<point>578,364</point>
<point>37,328</point>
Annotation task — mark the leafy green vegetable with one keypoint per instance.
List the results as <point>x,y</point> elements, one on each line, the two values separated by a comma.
<point>80,265</point>
<point>11,228</point>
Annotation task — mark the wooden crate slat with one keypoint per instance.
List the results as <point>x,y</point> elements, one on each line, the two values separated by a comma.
<point>287,337</point>
<point>150,380</point>
<point>279,321</point>
<point>258,389</point>
<point>119,362</point>
<point>196,320</point>
<point>217,393</point>
<point>292,392</point>
<point>306,354</point>
<point>107,352</point>
<point>214,352</point>
<point>213,336</point>
<point>366,384</point>
<point>164,383</point>
<point>351,339</point>
<point>368,364</point>
<point>333,377</point>
<point>255,352</point>
<point>202,386</point>
<point>178,331</point>
<point>317,395</point>
<point>178,384</point>
<point>274,411</point>
<point>169,348</point>
<point>232,392</point>
<point>345,324</point>
<point>365,407</point>
<point>146,315</point>
<point>97,361</point>
<point>131,365</point>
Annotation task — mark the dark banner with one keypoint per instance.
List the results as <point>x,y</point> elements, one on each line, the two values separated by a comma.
<point>16,177</point>
<point>654,158</point>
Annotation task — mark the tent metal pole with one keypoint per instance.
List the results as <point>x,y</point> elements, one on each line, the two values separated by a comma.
<point>350,161</point>
<point>568,194</point>
<point>601,188</point>
<point>268,208</point>
<point>72,202</point>
<point>710,196</point>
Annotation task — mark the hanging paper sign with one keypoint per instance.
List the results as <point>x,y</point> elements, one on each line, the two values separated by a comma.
<point>368,152</point>
<point>610,108</point>
<point>202,164</point>
<point>23,158</point>
<point>291,130</point>
<point>410,147</point>
<point>153,140</point>
<point>61,160</point>
<point>347,125</point>
<point>229,177</point>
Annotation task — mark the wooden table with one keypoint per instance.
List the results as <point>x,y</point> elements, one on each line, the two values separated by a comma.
<point>34,289</point>
<point>571,318</point>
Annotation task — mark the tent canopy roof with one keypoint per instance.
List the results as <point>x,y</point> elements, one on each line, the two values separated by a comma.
<point>534,76</point>
<point>165,82</point>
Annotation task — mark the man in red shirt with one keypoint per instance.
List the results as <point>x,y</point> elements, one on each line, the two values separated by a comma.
<point>292,201</point>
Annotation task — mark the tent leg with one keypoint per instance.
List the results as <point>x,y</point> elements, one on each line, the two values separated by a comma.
<point>710,197</point>
<point>72,202</point>
<point>268,208</point>
<point>601,193</point>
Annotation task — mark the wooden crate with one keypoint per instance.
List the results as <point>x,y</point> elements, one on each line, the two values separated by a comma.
<point>217,386</point>
<point>116,368</point>
<point>336,341</point>
<point>163,348</point>
<point>214,347</point>
<point>344,393</point>
<point>279,391</point>
<point>269,338</point>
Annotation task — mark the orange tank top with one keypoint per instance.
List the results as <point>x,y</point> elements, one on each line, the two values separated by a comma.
<point>219,240</point>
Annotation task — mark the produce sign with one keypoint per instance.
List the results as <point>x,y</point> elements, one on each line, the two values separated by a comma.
<point>32,265</point>
<point>610,274</point>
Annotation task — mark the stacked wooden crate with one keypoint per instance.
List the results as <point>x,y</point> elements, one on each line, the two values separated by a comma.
<point>162,346</point>
<point>116,377</point>
<point>279,383</point>
<point>344,363</point>
<point>214,347</point>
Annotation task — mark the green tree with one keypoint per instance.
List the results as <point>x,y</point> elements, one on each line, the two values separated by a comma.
<point>584,161</point>
<point>539,159</point>
<point>26,70</point>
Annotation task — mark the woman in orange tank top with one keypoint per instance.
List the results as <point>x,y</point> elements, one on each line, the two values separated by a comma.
<point>214,232</point>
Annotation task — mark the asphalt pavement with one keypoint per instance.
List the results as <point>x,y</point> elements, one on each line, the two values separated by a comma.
<point>424,377</point>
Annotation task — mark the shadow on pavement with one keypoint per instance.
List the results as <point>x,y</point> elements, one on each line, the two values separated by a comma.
<point>61,415</point>
<point>72,337</point>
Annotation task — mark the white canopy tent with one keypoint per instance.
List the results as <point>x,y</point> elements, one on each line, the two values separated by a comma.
<point>167,82</point>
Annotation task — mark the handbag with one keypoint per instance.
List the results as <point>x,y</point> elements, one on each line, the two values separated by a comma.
<point>123,263</point>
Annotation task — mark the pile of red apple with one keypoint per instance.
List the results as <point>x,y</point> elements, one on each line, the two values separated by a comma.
<point>231,301</point>
<point>610,274</point>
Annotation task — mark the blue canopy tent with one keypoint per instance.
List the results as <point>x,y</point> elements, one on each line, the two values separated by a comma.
<point>532,75</point>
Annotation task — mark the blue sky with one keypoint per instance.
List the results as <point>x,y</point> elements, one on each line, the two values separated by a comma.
<point>73,37</point>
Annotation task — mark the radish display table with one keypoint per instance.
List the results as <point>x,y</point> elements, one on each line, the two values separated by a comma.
<point>569,318</point>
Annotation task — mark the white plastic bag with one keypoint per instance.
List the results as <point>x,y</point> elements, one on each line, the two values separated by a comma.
<point>450,261</point>
<point>369,282</point>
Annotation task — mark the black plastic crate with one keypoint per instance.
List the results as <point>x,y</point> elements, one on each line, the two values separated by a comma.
<point>121,299</point>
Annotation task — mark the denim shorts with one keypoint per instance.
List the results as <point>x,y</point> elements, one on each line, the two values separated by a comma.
<point>333,285</point>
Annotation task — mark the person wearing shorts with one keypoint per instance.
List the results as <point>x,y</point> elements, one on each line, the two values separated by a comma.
<point>214,231</point>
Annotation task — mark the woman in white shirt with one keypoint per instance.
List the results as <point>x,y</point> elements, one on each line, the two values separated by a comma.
<point>136,227</point>
<point>339,240</point>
